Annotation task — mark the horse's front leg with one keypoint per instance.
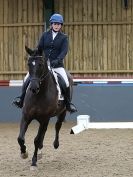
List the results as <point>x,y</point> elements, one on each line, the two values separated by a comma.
<point>21,137</point>
<point>58,125</point>
<point>38,141</point>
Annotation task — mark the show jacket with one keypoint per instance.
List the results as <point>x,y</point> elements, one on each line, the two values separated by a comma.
<point>54,49</point>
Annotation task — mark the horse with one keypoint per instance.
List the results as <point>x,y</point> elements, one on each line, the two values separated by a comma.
<point>41,103</point>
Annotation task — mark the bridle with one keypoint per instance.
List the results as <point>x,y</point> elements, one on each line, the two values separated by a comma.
<point>43,76</point>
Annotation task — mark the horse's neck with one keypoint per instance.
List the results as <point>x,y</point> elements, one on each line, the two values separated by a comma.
<point>48,83</point>
<point>46,70</point>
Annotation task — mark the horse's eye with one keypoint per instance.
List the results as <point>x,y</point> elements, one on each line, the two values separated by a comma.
<point>30,64</point>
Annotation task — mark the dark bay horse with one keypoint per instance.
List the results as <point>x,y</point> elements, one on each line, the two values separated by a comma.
<point>41,103</point>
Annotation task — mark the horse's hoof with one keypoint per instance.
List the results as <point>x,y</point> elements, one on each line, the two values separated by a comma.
<point>24,155</point>
<point>56,145</point>
<point>33,168</point>
<point>39,155</point>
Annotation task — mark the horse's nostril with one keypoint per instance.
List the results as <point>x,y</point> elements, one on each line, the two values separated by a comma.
<point>37,90</point>
<point>33,90</point>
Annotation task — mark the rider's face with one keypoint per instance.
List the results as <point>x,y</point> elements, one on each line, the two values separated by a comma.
<point>56,26</point>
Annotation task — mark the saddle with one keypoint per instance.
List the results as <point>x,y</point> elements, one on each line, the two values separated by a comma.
<point>61,82</point>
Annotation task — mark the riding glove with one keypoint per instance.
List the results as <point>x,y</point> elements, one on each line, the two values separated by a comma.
<point>54,63</point>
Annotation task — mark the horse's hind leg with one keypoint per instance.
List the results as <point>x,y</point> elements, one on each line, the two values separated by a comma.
<point>21,137</point>
<point>38,142</point>
<point>58,125</point>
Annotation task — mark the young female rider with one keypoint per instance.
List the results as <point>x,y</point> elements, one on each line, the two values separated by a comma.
<point>54,44</point>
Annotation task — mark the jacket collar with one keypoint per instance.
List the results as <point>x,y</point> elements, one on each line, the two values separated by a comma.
<point>56,37</point>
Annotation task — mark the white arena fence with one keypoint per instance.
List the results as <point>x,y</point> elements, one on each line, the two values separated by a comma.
<point>18,83</point>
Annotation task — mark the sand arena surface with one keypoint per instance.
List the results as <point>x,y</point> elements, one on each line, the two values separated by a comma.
<point>92,153</point>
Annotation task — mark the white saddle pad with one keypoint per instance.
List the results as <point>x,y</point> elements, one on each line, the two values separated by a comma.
<point>60,96</point>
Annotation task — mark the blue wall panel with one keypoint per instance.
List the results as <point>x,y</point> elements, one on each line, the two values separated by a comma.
<point>103,103</point>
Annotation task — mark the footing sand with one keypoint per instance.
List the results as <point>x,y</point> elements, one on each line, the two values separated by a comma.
<point>92,153</point>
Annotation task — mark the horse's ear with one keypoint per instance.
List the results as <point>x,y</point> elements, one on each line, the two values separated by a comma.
<point>29,51</point>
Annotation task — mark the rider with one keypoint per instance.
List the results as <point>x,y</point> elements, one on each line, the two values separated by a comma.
<point>54,44</point>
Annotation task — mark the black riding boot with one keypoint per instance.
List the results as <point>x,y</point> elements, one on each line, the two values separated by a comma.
<point>18,101</point>
<point>69,106</point>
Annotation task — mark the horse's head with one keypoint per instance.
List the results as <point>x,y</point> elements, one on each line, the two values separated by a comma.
<point>37,69</point>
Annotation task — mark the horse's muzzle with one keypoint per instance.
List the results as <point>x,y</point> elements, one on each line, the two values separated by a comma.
<point>34,88</point>
<point>35,91</point>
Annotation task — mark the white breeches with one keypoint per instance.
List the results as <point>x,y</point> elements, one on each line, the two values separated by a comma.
<point>62,72</point>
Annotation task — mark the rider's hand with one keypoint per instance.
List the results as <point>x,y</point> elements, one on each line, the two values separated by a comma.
<point>54,63</point>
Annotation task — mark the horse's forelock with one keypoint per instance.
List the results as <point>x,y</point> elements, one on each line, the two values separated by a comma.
<point>34,59</point>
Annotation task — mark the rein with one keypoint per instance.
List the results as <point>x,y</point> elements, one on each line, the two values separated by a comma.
<point>44,76</point>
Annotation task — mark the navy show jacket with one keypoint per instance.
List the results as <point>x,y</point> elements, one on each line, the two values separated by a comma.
<point>54,49</point>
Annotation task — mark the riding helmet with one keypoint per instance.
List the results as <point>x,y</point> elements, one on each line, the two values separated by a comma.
<point>56,18</point>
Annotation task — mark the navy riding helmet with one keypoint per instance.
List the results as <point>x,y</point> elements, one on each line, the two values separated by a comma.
<point>56,18</point>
